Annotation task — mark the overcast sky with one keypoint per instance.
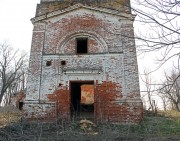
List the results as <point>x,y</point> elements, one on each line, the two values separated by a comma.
<point>15,24</point>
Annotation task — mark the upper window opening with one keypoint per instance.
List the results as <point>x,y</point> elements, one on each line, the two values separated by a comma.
<point>82,45</point>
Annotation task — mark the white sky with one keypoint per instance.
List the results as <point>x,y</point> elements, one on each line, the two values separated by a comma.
<point>15,24</point>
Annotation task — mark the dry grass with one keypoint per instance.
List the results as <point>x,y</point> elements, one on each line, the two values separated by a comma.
<point>9,115</point>
<point>163,127</point>
<point>170,114</point>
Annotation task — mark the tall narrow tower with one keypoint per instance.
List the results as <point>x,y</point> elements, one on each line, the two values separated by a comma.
<point>83,62</point>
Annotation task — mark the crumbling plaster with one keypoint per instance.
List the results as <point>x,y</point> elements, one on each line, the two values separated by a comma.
<point>110,61</point>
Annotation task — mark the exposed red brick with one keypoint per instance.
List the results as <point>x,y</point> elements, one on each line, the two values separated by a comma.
<point>18,97</point>
<point>110,62</point>
<point>62,101</point>
<point>107,107</point>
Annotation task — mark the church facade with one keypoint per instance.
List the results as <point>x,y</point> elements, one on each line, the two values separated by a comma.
<point>83,62</point>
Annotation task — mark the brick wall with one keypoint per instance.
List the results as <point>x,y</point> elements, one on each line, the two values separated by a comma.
<point>110,64</point>
<point>47,6</point>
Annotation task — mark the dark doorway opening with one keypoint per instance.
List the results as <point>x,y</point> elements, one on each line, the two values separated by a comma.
<point>82,45</point>
<point>21,105</point>
<point>82,99</point>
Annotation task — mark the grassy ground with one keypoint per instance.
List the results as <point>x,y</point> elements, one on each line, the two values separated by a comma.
<point>163,127</point>
<point>8,115</point>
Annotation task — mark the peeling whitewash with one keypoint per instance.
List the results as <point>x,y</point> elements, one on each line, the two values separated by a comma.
<point>111,56</point>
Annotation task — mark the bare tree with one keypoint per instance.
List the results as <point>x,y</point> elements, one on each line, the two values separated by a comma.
<point>149,90</point>
<point>164,99</point>
<point>160,18</point>
<point>158,31</point>
<point>11,66</point>
<point>17,86</point>
<point>171,89</point>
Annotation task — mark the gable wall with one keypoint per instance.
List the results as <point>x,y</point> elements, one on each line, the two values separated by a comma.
<point>47,6</point>
<point>111,61</point>
<point>104,31</point>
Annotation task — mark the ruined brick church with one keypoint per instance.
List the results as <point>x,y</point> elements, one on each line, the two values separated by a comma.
<point>83,62</point>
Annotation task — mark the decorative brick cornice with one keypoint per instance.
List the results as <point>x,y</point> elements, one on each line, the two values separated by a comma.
<point>79,6</point>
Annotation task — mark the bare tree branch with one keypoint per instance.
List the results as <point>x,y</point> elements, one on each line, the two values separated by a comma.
<point>11,66</point>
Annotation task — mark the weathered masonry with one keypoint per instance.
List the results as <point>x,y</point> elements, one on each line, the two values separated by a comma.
<point>83,62</point>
